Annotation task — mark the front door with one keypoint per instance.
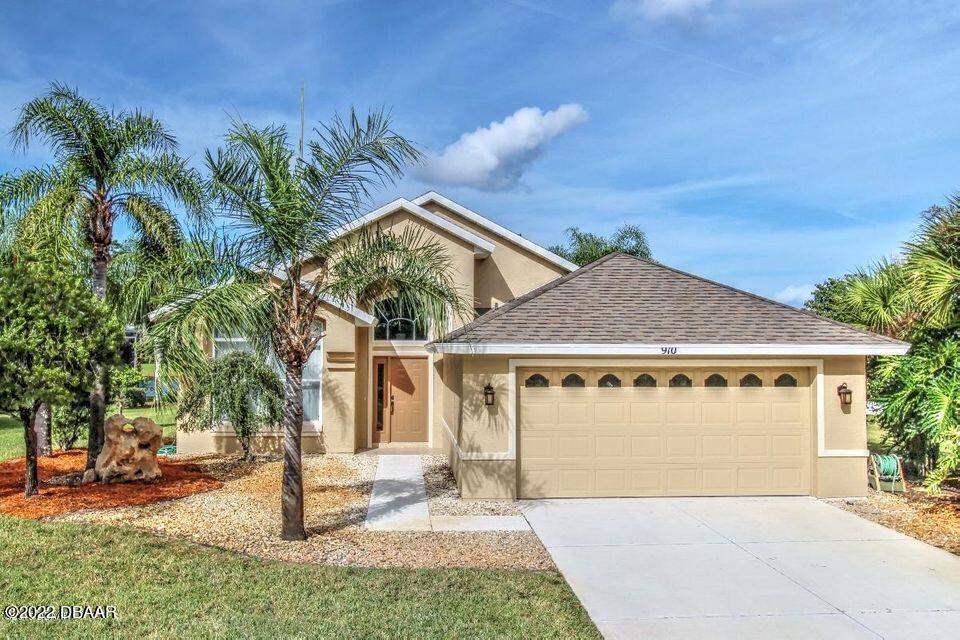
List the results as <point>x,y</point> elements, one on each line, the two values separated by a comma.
<point>400,388</point>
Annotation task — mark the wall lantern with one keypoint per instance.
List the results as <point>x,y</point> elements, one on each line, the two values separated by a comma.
<point>846,394</point>
<point>488,394</point>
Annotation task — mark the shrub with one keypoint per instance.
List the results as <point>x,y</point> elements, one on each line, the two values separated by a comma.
<point>69,423</point>
<point>241,390</point>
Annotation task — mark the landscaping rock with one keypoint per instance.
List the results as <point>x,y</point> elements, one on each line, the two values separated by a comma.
<point>129,450</point>
<point>244,516</point>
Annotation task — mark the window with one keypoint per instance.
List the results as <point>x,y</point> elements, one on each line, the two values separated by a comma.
<point>312,371</point>
<point>715,380</point>
<point>785,380</point>
<point>609,381</point>
<point>224,344</point>
<point>572,380</point>
<point>394,322</point>
<point>644,380</point>
<point>751,380</point>
<point>680,380</point>
<point>537,380</point>
<point>381,394</point>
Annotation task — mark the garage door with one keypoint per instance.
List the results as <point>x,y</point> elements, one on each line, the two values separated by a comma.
<point>678,432</point>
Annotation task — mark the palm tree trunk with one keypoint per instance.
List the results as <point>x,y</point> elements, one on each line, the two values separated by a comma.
<point>27,416</point>
<point>98,395</point>
<point>291,493</point>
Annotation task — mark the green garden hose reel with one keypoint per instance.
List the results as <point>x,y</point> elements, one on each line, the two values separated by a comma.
<point>885,473</point>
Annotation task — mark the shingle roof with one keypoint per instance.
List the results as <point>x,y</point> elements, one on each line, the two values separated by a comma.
<point>621,299</point>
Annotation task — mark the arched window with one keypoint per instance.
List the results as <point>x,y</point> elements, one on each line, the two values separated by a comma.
<point>715,380</point>
<point>644,380</point>
<point>751,380</point>
<point>785,380</point>
<point>609,381</point>
<point>537,380</point>
<point>396,322</point>
<point>680,380</point>
<point>572,380</point>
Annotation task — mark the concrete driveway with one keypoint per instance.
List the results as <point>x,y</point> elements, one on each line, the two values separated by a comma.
<point>746,568</point>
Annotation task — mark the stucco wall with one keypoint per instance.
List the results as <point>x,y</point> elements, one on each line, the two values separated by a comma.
<point>845,429</point>
<point>508,272</point>
<point>460,253</point>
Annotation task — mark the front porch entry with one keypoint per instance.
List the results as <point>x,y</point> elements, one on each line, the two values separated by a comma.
<point>400,399</point>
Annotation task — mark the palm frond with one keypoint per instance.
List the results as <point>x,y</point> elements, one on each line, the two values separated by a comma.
<point>62,119</point>
<point>164,173</point>
<point>376,265</point>
<point>151,220</point>
<point>350,158</point>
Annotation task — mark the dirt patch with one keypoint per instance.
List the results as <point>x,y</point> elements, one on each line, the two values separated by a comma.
<point>933,519</point>
<point>57,494</point>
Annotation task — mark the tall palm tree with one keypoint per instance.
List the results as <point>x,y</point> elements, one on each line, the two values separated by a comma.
<point>108,165</point>
<point>284,216</point>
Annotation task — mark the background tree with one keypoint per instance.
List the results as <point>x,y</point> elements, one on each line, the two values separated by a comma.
<point>125,381</point>
<point>107,165</point>
<point>829,300</point>
<point>54,336</point>
<point>582,247</point>
<point>241,389</point>
<point>284,217</point>
<point>915,297</point>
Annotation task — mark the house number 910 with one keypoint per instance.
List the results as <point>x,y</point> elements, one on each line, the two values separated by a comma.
<point>668,351</point>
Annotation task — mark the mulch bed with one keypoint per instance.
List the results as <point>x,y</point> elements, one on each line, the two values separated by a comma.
<point>935,519</point>
<point>180,479</point>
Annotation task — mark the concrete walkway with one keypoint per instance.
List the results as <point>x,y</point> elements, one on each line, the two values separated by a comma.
<point>746,568</point>
<point>398,502</point>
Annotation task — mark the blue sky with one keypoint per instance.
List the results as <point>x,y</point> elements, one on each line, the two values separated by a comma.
<point>767,144</point>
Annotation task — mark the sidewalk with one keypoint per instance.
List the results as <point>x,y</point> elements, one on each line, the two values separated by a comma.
<point>398,502</point>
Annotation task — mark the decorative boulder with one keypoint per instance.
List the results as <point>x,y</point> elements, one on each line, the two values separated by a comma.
<point>129,450</point>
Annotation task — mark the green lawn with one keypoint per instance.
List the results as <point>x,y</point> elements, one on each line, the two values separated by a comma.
<point>165,417</point>
<point>11,437</point>
<point>11,431</point>
<point>164,588</point>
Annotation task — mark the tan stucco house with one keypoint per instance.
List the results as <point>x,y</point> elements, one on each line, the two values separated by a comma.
<point>621,378</point>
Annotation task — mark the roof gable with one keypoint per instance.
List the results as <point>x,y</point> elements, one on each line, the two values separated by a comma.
<point>622,304</point>
<point>494,228</point>
<point>481,246</point>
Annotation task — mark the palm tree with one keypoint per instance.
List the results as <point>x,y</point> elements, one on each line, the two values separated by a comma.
<point>284,218</point>
<point>108,165</point>
<point>583,247</point>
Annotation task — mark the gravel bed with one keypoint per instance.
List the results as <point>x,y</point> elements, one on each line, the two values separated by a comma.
<point>244,516</point>
<point>444,499</point>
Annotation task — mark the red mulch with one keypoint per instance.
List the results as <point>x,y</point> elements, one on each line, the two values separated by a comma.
<point>180,479</point>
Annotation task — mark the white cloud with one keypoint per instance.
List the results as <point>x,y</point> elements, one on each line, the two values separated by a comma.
<point>495,157</point>
<point>795,294</point>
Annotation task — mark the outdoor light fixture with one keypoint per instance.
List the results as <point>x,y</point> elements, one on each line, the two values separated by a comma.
<point>845,393</point>
<point>488,395</point>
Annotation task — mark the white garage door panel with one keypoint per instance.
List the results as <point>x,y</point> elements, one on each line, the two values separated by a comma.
<point>664,441</point>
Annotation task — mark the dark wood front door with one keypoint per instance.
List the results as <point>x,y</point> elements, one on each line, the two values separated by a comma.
<point>400,399</point>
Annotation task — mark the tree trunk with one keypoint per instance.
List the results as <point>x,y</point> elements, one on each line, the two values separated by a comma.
<point>41,430</point>
<point>98,413</point>
<point>27,416</point>
<point>291,493</point>
<point>98,395</point>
